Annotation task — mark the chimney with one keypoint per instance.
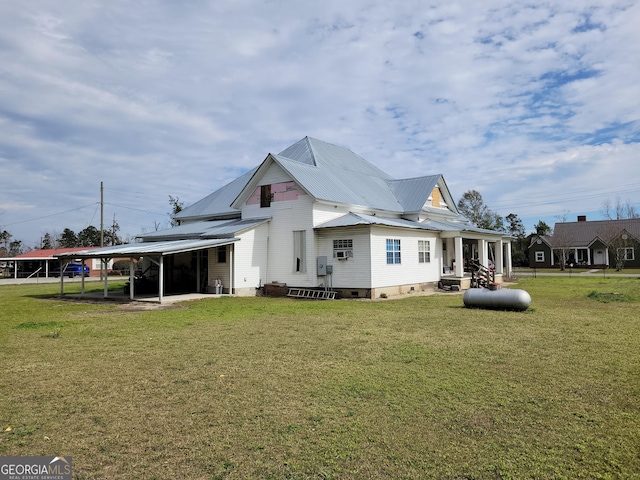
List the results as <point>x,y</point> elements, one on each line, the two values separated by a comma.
<point>582,218</point>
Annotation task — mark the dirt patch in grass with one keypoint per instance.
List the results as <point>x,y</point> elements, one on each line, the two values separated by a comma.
<point>119,305</point>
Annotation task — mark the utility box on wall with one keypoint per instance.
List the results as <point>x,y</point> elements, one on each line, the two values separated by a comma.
<point>322,266</point>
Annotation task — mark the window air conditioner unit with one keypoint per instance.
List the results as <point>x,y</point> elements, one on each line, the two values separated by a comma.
<point>343,254</point>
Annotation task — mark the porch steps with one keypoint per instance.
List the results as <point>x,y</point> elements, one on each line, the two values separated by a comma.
<point>312,294</point>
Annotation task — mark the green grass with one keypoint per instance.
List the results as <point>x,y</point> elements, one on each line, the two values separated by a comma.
<point>418,387</point>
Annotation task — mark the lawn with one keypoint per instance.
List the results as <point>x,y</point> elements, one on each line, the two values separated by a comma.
<point>417,387</point>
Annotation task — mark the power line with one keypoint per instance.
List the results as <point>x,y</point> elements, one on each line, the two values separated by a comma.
<point>136,209</point>
<point>50,215</point>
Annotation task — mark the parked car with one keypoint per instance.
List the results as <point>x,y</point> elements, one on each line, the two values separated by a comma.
<point>72,270</point>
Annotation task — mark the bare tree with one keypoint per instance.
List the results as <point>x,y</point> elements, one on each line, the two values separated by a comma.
<point>618,241</point>
<point>562,240</point>
<point>619,210</point>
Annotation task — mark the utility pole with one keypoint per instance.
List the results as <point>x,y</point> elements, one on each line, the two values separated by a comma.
<point>102,266</point>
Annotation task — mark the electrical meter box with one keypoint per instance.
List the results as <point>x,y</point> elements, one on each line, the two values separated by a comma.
<point>329,269</point>
<point>322,266</point>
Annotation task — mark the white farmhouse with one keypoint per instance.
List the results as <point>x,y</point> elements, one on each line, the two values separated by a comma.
<point>318,217</point>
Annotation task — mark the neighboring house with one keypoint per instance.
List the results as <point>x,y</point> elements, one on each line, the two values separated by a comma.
<point>316,215</point>
<point>600,243</point>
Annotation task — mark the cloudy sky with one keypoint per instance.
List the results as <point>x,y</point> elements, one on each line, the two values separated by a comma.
<point>534,104</point>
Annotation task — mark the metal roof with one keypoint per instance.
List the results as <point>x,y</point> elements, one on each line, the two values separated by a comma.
<point>329,173</point>
<point>217,203</point>
<point>354,219</point>
<point>149,248</point>
<point>583,233</point>
<point>206,229</point>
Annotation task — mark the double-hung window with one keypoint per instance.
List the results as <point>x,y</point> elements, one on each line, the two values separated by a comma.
<point>393,251</point>
<point>424,251</point>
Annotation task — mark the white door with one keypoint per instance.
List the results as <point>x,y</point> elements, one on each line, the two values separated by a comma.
<point>598,257</point>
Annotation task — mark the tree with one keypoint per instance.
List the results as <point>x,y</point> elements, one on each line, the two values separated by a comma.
<point>89,237</point>
<point>5,237</point>
<point>472,206</point>
<point>562,240</point>
<point>542,228</point>
<point>618,241</point>
<point>68,239</point>
<point>15,248</point>
<point>111,236</point>
<point>516,229</point>
<point>176,207</point>
<point>46,242</point>
<point>619,211</point>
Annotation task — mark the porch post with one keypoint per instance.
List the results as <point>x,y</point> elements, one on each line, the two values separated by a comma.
<point>231,257</point>
<point>459,270</point>
<point>509,263</point>
<point>160,278</point>
<point>588,256</point>
<point>498,262</point>
<point>483,256</point>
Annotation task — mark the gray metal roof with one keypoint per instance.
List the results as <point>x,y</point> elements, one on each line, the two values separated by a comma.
<point>347,187</point>
<point>582,234</point>
<point>205,229</point>
<point>149,248</point>
<point>218,203</point>
<point>329,173</point>
<point>354,219</point>
<point>411,192</point>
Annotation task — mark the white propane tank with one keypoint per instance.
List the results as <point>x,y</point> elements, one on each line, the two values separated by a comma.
<point>507,299</point>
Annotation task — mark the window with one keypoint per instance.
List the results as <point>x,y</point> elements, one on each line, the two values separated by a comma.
<point>299,251</point>
<point>626,253</point>
<point>539,256</point>
<point>343,249</point>
<point>222,254</point>
<point>424,251</point>
<point>393,251</point>
<point>265,196</point>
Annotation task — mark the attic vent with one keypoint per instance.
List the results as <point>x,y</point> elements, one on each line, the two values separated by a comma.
<point>435,197</point>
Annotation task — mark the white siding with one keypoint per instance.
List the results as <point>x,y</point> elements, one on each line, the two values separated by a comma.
<point>409,270</point>
<point>323,212</point>
<point>250,260</point>
<point>274,174</point>
<point>354,272</point>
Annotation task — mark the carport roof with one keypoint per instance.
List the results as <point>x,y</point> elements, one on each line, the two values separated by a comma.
<point>149,248</point>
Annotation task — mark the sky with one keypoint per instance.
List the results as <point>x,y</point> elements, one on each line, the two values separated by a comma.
<point>536,105</point>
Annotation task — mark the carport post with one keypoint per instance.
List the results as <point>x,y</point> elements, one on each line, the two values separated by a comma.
<point>131,278</point>
<point>161,277</point>
<point>103,263</point>
<point>82,281</point>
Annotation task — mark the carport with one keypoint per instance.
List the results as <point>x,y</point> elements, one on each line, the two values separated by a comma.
<point>155,252</point>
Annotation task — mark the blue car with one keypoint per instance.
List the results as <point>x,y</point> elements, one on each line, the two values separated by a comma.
<point>72,270</point>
